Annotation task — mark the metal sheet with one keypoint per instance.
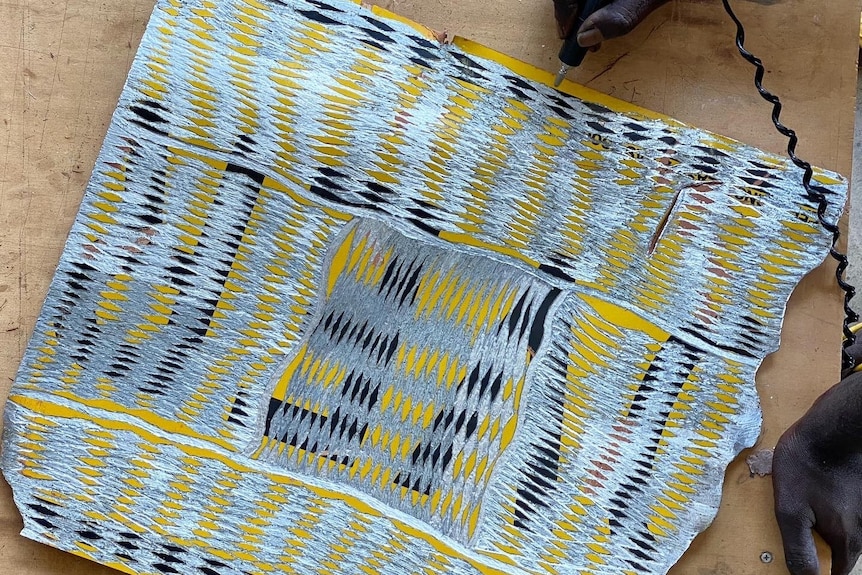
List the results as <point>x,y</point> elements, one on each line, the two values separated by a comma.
<point>341,298</point>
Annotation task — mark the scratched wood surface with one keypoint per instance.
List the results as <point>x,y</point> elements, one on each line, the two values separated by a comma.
<point>63,64</point>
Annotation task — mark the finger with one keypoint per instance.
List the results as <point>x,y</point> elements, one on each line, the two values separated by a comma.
<point>590,38</point>
<point>799,550</point>
<point>615,19</point>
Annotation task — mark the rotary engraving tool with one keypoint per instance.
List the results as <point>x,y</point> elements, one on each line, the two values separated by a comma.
<point>572,53</point>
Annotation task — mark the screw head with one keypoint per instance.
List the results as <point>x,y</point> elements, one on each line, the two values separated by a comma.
<point>766,557</point>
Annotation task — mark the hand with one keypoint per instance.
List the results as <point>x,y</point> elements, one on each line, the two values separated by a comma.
<point>817,475</point>
<point>616,18</point>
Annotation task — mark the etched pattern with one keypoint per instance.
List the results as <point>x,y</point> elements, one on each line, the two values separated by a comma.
<point>340,299</point>
<point>408,387</point>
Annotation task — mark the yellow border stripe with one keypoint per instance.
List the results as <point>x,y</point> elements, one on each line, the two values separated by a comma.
<point>175,427</point>
<point>527,70</point>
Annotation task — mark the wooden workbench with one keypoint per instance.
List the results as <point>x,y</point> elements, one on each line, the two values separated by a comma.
<point>63,65</point>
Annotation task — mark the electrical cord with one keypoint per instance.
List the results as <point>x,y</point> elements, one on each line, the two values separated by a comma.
<point>814,195</point>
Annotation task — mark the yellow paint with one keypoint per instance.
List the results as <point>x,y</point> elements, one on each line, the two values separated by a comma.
<point>624,318</point>
<point>148,416</point>
<point>469,240</point>
<point>289,371</point>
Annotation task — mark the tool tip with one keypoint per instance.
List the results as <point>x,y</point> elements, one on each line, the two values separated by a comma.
<point>561,76</point>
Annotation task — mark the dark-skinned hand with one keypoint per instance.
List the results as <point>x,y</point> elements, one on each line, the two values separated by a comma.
<point>615,18</point>
<point>817,475</point>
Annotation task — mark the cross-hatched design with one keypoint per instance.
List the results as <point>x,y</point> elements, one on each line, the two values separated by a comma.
<point>408,385</point>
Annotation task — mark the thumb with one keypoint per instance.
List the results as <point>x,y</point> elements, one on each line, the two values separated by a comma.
<point>799,550</point>
<point>616,19</point>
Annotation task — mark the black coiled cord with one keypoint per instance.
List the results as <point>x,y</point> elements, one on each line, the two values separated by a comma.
<point>814,195</point>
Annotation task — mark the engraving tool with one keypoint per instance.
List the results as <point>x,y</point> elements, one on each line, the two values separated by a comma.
<point>572,53</point>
